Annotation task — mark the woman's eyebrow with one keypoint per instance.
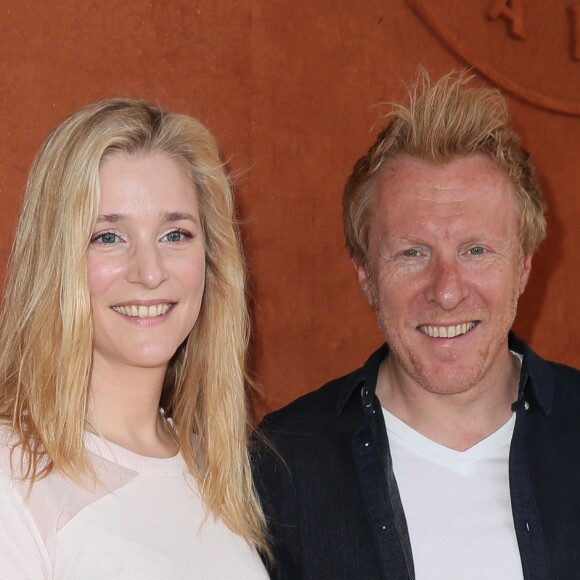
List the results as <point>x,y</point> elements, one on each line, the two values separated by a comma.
<point>177,216</point>
<point>112,218</point>
<point>166,216</point>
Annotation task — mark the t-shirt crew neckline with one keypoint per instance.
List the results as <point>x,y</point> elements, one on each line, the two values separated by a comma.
<point>435,452</point>
<point>154,466</point>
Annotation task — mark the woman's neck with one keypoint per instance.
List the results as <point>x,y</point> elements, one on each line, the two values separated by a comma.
<point>124,409</point>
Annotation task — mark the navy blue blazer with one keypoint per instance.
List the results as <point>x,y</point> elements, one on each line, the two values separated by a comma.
<point>327,486</point>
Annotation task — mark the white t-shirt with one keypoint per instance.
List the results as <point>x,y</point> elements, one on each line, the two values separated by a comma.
<point>457,505</point>
<point>146,523</point>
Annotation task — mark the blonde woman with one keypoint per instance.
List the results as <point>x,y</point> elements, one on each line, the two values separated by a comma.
<point>123,442</point>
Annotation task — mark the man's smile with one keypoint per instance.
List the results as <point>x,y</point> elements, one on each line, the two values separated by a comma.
<point>447,331</point>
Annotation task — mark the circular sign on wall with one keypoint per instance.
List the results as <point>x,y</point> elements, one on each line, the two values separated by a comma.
<point>530,49</point>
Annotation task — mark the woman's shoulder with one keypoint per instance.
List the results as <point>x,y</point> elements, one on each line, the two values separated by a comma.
<point>10,456</point>
<point>23,512</point>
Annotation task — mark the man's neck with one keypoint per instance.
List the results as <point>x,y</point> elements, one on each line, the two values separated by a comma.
<point>458,421</point>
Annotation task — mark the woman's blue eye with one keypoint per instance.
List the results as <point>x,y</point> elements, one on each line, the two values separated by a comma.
<point>107,238</point>
<point>176,236</point>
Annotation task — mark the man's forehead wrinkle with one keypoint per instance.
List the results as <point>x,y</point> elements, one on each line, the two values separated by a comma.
<point>441,228</point>
<point>447,188</point>
<point>439,212</point>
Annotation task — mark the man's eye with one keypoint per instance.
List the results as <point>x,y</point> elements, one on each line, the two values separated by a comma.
<point>476,251</point>
<point>410,253</point>
<point>106,238</point>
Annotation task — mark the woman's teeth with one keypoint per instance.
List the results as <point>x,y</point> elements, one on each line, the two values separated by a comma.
<point>141,311</point>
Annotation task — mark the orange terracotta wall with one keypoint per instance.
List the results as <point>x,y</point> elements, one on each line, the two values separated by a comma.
<point>292,91</point>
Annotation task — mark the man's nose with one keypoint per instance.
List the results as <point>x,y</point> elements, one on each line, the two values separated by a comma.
<point>447,286</point>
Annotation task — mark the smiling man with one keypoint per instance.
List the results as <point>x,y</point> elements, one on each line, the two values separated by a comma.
<point>453,453</point>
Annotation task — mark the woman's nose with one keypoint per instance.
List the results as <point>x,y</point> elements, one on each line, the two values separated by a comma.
<point>146,265</point>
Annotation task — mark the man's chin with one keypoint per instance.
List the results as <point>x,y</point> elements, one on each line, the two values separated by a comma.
<point>444,377</point>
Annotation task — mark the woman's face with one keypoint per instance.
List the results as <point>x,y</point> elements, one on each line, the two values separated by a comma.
<point>146,262</point>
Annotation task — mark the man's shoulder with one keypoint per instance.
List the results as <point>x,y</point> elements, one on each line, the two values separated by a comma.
<point>566,382</point>
<point>544,369</point>
<point>317,410</point>
<point>556,386</point>
<point>570,374</point>
<point>314,407</point>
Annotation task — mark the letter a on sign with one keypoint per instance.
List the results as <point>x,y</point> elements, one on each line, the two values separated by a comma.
<point>512,11</point>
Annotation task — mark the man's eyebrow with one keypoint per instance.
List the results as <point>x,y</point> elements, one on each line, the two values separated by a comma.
<point>384,241</point>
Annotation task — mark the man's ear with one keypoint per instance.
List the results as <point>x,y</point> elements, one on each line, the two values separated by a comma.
<point>525,274</point>
<point>363,280</point>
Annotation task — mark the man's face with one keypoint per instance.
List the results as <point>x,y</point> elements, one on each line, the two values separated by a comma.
<point>445,269</point>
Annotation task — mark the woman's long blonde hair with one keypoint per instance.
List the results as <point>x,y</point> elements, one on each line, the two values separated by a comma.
<point>45,322</point>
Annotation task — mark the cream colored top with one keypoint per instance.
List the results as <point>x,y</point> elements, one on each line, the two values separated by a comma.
<point>147,522</point>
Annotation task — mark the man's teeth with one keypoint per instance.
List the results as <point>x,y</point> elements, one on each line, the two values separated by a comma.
<point>447,331</point>
<point>142,311</point>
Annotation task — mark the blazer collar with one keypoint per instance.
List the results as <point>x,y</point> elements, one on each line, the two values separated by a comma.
<point>367,376</point>
<point>536,378</point>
